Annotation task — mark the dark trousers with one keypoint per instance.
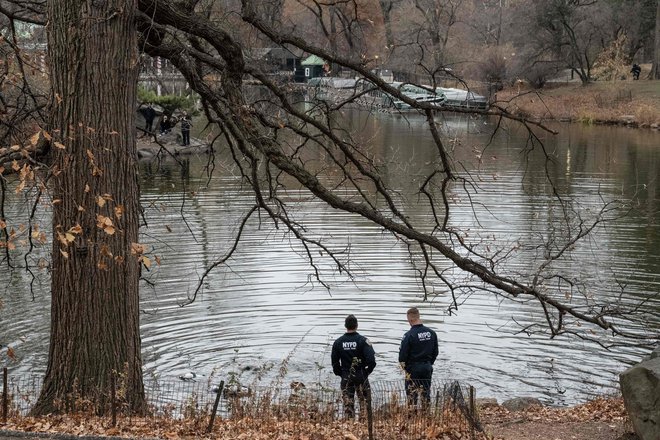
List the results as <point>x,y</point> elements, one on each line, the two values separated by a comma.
<point>149,125</point>
<point>418,383</point>
<point>349,387</point>
<point>185,134</point>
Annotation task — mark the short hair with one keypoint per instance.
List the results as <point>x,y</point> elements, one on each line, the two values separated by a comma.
<point>413,312</point>
<point>351,322</point>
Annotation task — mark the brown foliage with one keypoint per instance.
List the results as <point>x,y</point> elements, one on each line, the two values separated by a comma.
<point>242,428</point>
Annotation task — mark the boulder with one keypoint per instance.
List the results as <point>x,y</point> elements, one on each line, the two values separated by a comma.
<point>654,354</point>
<point>640,387</point>
<point>521,403</point>
<point>149,147</point>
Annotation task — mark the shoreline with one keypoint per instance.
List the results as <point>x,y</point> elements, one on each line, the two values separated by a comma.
<point>633,104</point>
<point>158,146</point>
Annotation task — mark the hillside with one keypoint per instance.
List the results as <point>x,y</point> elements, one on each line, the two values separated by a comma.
<point>633,103</point>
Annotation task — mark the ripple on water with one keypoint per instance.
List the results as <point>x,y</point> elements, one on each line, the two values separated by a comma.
<point>263,311</point>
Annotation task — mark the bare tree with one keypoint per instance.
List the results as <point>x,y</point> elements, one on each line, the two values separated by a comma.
<point>343,24</point>
<point>635,20</point>
<point>486,19</point>
<point>437,17</point>
<point>656,53</point>
<point>569,31</point>
<point>92,152</point>
<point>386,8</point>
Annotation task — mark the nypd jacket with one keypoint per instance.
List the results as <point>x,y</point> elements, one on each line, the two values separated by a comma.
<point>352,356</point>
<point>419,345</point>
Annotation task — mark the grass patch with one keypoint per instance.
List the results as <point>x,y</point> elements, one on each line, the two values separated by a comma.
<point>615,102</point>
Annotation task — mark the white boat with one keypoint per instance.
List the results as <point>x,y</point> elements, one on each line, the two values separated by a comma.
<point>371,96</point>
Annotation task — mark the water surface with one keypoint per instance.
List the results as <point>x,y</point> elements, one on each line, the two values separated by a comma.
<point>262,313</point>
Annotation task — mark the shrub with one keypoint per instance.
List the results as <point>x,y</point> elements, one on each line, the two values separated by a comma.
<point>493,69</point>
<point>647,115</point>
<point>170,103</point>
<point>612,62</point>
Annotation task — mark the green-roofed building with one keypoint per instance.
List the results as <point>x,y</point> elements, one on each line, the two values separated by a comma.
<point>313,66</point>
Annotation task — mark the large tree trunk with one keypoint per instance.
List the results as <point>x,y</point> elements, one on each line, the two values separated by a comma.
<point>95,312</point>
<point>386,7</point>
<point>655,71</point>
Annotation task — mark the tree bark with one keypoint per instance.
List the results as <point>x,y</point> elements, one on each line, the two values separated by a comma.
<point>655,70</point>
<point>386,7</point>
<point>95,312</point>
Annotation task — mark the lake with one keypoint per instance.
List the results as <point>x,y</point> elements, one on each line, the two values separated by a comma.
<point>263,313</point>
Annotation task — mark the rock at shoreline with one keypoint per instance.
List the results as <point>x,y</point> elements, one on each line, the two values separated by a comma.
<point>640,386</point>
<point>521,403</point>
<point>654,354</point>
<point>169,144</point>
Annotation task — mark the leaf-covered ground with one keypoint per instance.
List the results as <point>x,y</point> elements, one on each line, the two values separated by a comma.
<point>601,419</point>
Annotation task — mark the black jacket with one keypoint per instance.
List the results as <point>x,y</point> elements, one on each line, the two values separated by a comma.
<point>352,357</point>
<point>419,345</point>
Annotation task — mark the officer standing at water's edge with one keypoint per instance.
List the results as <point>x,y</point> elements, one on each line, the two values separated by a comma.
<point>418,352</point>
<point>353,359</point>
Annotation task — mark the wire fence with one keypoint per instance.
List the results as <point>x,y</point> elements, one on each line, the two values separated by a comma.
<point>385,412</point>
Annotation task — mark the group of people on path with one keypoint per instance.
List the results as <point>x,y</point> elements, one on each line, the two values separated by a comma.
<point>353,360</point>
<point>167,123</point>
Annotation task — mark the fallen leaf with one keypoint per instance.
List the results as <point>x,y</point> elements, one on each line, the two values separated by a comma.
<point>34,139</point>
<point>77,229</point>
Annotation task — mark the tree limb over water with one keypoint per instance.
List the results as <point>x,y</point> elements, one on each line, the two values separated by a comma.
<point>272,141</point>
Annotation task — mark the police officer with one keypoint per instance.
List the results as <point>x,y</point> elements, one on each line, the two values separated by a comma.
<point>418,352</point>
<point>353,359</point>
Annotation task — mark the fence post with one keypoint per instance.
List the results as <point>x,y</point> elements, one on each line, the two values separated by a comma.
<point>113,396</point>
<point>370,417</point>
<point>473,412</point>
<point>215,406</point>
<point>5,396</point>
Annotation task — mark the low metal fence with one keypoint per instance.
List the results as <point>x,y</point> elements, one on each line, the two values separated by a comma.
<point>385,412</point>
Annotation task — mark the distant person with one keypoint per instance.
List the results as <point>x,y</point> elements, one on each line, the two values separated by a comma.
<point>418,352</point>
<point>353,359</point>
<point>636,70</point>
<point>185,129</point>
<point>149,116</point>
<point>164,125</point>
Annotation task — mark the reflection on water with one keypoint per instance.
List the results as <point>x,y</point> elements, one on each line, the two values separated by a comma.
<point>263,311</point>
